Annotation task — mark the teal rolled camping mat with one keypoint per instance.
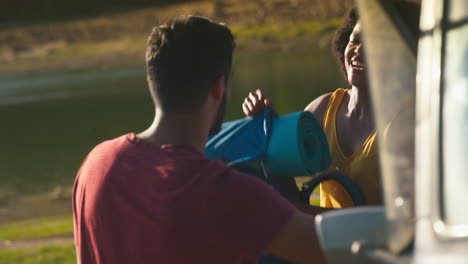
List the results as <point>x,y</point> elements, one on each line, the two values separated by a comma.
<point>298,146</point>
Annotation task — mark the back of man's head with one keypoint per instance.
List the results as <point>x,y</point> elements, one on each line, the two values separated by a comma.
<point>184,58</point>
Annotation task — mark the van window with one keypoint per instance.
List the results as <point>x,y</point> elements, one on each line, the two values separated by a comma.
<point>455,117</point>
<point>391,62</point>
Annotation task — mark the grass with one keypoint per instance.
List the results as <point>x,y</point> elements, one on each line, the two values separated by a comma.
<point>282,32</point>
<point>61,254</point>
<point>37,228</point>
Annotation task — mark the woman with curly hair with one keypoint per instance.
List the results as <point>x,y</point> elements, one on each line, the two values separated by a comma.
<point>347,119</point>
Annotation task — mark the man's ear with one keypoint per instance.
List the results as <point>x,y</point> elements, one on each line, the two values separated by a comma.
<point>217,91</point>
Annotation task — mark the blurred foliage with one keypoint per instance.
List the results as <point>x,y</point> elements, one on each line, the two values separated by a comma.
<point>23,11</point>
<point>248,12</point>
<point>106,32</point>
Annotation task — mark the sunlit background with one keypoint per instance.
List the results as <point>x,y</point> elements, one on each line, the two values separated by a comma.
<point>72,75</point>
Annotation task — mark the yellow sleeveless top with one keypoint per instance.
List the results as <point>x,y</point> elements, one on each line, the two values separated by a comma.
<point>362,167</point>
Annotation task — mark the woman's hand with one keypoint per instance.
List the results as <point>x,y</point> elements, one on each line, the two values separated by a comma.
<point>255,102</point>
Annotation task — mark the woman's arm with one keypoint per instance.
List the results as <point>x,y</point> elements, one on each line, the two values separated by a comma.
<point>319,106</point>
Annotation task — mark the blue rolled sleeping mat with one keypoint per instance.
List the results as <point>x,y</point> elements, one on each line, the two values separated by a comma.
<point>292,145</point>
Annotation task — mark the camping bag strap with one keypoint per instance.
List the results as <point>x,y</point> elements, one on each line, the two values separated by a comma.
<point>349,185</point>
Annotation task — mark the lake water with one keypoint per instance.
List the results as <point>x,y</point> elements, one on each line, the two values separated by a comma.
<point>51,121</point>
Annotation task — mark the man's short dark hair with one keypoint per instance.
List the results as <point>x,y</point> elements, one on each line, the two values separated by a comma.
<point>184,58</point>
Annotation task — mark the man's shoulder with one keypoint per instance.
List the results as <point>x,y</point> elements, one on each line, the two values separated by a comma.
<point>107,150</point>
<point>114,144</point>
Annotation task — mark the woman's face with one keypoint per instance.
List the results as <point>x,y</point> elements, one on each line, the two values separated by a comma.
<point>354,59</point>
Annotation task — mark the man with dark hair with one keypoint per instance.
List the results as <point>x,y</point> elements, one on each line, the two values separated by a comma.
<point>154,197</point>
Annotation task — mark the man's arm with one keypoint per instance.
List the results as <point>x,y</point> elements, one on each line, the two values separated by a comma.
<point>301,226</point>
<point>298,241</point>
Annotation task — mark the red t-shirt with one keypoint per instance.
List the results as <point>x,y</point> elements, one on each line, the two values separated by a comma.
<point>134,202</point>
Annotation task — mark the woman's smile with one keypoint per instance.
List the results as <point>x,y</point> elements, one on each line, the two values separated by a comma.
<point>354,59</point>
<point>357,64</point>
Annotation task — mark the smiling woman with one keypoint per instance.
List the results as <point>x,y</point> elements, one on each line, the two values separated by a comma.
<point>347,119</point>
<point>348,122</point>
